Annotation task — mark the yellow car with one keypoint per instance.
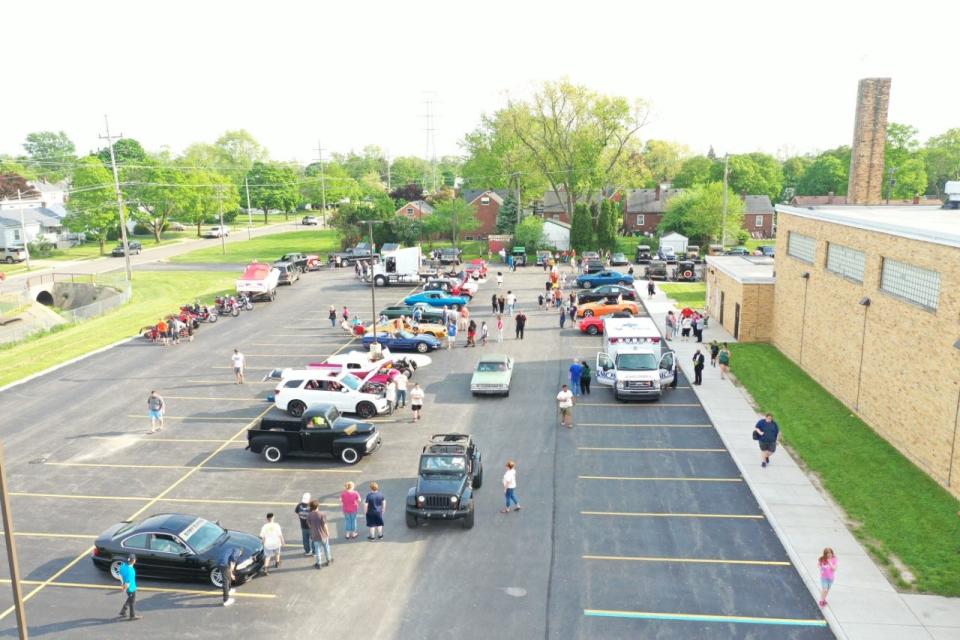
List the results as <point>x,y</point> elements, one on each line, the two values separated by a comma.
<point>438,331</point>
<point>602,308</point>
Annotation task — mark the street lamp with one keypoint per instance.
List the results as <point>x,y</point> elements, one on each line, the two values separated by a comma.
<point>865,303</point>
<point>373,286</point>
<point>803,315</point>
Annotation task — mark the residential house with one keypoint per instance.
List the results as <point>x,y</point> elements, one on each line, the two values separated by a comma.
<point>556,234</point>
<point>645,207</point>
<point>553,205</point>
<point>43,223</point>
<point>758,216</point>
<point>47,194</point>
<point>415,210</point>
<point>486,203</point>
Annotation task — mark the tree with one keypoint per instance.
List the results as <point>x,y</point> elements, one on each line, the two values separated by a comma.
<point>943,159</point>
<point>663,159</point>
<point>92,207</point>
<point>348,220</point>
<point>910,179</point>
<point>608,225</point>
<point>407,170</point>
<point>205,194</point>
<point>793,170</point>
<point>581,229</point>
<point>507,216</point>
<point>825,175</point>
<point>11,165</point>
<point>906,174</point>
<point>238,151</point>
<point>529,233</point>
<point>496,159</point>
<point>409,192</point>
<point>126,150</point>
<point>51,154</point>
<point>13,184</point>
<point>694,172</point>
<point>337,183</point>
<point>273,186</point>
<point>455,217</point>
<point>754,174</point>
<point>360,165</point>
<point>698,214</point>
<point>575,136</point>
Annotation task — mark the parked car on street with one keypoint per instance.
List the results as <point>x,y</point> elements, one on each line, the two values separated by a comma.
<point>135,249</point>
<point>590,280</point>
<point>606,292</point>
<point>656,270</point>
<point>300,388</point>
<point>737,251</point>
<point>686,271</point>
<point>310,221</point>
<point>643,254</point>
<point>437,299</point>
<point>492,375</point>
<point>176,546</point>
<point>543,257</point>
<point>450,469</point>
<point>320,431</point>
<point>427,312</point>
<point>593,325</point>
<point>288,273</point>
<point>18,254</point>
<point>176,226</point>
<point>768,250</point>
<point>217,232</point>
<point>618,260</point>
<point>603,308</point>
<point>403,341</point>
<point>299,260</point>
<point>593,266</point>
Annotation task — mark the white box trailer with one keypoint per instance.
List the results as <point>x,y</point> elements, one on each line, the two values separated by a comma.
<point>400,266</point>
<point>635,360</point>
<point>259,281</point>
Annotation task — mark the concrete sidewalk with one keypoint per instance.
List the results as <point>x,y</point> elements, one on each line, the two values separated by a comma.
<point>863,605</point>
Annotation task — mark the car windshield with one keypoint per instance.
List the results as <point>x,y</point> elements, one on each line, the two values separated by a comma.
<point>201,534</point>
<point>637,362</point>
<point>406,335</point>
<point>350,381</point>
<point>443,464</point>
<point>492,366</point>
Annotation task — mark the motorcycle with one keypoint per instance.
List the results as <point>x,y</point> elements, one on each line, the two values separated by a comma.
<point>199,313</point>
<point>227,306</point>
<point>246,304</point>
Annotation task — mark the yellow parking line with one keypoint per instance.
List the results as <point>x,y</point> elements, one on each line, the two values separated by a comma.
<point>106,465</point>
<point>651,405</point>
<point>61,496</point>
<point>115,587</point>
<point>649,449</point>
<point>231,382</point>
<point>246,368</point>
<point>306,335</point>
<point>220,399</point>
<point>193,418</point>
<point>645,426</point>
<point>761,563</point>
<point>287,355</point>
<point>642,514</point>
<point>283,344</point>
<point>148,438</point>
<point>33,534</point>
<point>660,479</point>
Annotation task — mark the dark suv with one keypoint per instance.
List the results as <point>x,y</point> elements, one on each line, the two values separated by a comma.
<point>450,469</point>
<point>135,249</point>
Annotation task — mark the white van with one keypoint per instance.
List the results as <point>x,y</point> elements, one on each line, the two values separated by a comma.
<point>635,361</point>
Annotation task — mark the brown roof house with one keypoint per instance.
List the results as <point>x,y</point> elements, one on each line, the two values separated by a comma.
<point>415,210</point>
<point>553,205</point>
<point>645,207</point>
<point>486,203</point>
<point>758,216</point>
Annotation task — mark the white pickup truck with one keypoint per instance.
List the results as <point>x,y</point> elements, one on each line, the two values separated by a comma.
<point>259,281</point>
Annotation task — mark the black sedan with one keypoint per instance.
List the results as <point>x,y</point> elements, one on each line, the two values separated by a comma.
<point>175,546</point>
<point>605,292</point>
<point>593,266</point>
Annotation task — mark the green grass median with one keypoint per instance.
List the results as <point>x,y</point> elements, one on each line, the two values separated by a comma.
<point>266,248</point>
<point>686,294</point>
<point>895,508</point>
<point>154,294</point>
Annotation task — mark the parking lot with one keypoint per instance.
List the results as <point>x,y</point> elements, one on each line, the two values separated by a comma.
<point>635,524</point>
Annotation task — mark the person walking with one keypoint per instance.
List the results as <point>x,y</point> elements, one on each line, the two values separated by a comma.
<point>401,382</point>
<point>828,570</point>
<point>698,326</point>
<point>376,507</point>
<point>390,391</point>
<point>576,372</point>
<point>319,535</point>
<point>511,302</point>
<point>484,333</point>
<point>521,321</point>
<point>472,334</point>
<point>463,319</point>
<point>227,562</point>
<point>714,352</point>
<point>416,401</point>
<point>565,406</point>
<point>451,334</point>
<point>585,378</point>
<point>346,314</point>
<point>670,325</point>
<point>685,324</point>
<point>723,358</point>
<point>128,584</point>
<point>155,407</point>
<point>510,487</point>
<point>698,361</point>
<point>332,315</point>
<point>549,298</point>
<point>501,303</point>
<point>563,317</point>
<point>162,331</point>
<point>540,302</point>
<point>766,432</point>
<point>572,310</point>
<point>302,510</point>
<point>493,303</point>
<point>272,537</point>
<point>651,289</point>
<point>239,364</point>
<point>499,279</point>
<point>499,328</point>
<point>350,505</point>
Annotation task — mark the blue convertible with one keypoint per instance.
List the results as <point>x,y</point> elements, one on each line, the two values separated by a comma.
<point>403,341</point>
<point>437,299</point>
<point>590,280</point>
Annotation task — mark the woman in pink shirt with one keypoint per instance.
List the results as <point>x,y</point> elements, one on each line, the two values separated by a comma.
<point>350,502</point>
<point>828,569</point>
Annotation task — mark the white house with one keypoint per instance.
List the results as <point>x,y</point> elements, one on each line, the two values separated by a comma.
<point>45,223</point>
<point>556,234</point>
<point>48,194</point>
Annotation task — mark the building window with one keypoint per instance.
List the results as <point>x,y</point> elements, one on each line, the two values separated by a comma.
<point>16,235</point>
<point>468,238</point>
<point>758,221</point>
<point>641,219</point>
<point>913,284</point>
<point>485,200</point>
<point>802,247</point>
<point>845,262</point>
<point>409,211</point>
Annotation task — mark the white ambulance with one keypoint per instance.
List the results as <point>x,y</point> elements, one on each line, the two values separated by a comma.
<point>635,360</point>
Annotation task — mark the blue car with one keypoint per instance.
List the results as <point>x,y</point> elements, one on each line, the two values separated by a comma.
<point>590,280</point>
<point>404,341</point>
<point>437,299</point>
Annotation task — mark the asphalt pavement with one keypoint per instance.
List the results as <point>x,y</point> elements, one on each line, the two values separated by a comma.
<point>625,532</point>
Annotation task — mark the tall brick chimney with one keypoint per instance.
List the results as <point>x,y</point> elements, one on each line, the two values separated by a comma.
<point>869,140</point>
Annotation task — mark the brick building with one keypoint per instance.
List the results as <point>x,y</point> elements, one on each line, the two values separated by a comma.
<point>740,291</point>
<point>867,302</point>
<point>644,208</point>
<point>758,215</point>
<point>869,141</point>
<point>415,209</point>
<point>486,203</point>
<point>553,204</point>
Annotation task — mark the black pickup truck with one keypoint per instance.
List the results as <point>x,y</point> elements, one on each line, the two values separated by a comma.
<point>320,431</point>
<point>360,252</point>
<point>298,260</point>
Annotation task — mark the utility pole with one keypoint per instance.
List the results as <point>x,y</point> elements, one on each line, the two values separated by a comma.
<point>12,551</point>
<point>116,186</point>
<point>389,187</point>
<point>323,184</point>
<point>516,176</point>
<point>23,230</point>
<point>726,173</point>
<point>373,285</point>
<point>223,239</point>
<point>246,185</point>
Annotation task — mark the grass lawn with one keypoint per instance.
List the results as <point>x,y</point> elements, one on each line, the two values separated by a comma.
<point>154,294</point>
<point>472,249</point>
<point>686,294</point>
<point>897,509</point>
<point>267,248</point>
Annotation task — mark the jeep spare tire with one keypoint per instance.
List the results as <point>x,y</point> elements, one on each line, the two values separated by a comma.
<point>688,274</point>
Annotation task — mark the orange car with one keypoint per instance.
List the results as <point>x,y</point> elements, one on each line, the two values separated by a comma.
<point>603,307</point>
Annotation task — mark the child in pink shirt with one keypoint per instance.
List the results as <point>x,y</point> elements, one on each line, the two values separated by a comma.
<point>350,502</point>
<point>828,569</point>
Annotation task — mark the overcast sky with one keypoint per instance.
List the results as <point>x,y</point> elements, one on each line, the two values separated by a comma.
<point>737,75</point>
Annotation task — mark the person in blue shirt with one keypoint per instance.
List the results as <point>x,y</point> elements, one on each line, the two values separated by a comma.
<point>128,582</point>
<point>766,432</point>
<point>576,373</point>
<point>229,557</point>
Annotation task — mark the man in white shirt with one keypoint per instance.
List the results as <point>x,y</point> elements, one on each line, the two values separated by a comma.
<point>565,405</point>
<point>239,362</point>
<point>511,302</point>
<point>272,537</point>
<point>401,381</point>
<point>510,487</point>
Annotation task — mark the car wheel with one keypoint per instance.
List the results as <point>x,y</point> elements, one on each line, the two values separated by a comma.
<point>296,408</point>
<point>587,284</point>
<point>622,283</point>
<point>366,410</point>
<point>8,259</point>
<point>422,347</point>
<point>216,577</point>
<point>272,453</point>
<point>380,281</point>
<point>593,330</point>
<point>478,481</point>
<point>412,521</point>
<point>115,570</point>
<point>468,521</point>
<point>273,295</point>
<point>588,313</point>
<point>349,455</point>
<point>408,373</point>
